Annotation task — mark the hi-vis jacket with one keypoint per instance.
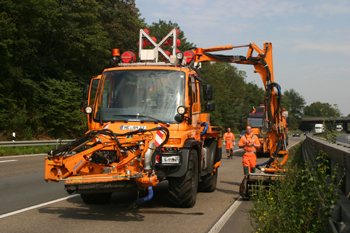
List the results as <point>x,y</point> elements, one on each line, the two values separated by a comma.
<point>229,138</point>
<point>250,146</point>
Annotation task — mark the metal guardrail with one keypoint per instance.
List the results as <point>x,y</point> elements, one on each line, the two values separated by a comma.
<point>57,142</point>
<point>338,153</point>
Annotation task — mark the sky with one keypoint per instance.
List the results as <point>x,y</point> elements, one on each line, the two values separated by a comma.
<point>310,39</point>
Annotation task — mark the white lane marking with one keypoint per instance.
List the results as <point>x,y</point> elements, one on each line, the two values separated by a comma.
<point>19,156</point>
<point>8,161</point>
<point>37,206</point>
<point>226,216</point>
<point>293,145</point>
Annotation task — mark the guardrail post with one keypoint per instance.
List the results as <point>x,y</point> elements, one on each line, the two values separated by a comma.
<point>347,183</point>
<point>58,140</point>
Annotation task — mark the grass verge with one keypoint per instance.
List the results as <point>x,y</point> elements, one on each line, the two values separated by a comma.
<point>24,150</point>
<point>300,202</point>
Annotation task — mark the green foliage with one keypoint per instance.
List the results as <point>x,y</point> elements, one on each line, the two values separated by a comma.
<point>48,49</point>
<point>233,96</point>
<point>329,126</point>
<point>121,20</point>
<point>24,150</point>
<point>300,202</point>
<point>318,109</point>
<point>294,104</point>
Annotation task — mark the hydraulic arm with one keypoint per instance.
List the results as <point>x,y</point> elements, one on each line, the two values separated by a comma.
<point>273,122</point>
<point>122,150</point>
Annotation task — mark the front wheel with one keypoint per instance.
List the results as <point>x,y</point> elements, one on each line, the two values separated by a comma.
<point>183,190</point>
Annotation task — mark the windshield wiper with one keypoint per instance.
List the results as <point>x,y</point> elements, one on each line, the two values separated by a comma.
<point>156,120</point>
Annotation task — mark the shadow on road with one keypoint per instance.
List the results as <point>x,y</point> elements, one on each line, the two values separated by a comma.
<point>117,209</point>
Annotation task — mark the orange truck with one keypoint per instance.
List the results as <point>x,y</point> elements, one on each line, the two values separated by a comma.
<point>256,121</point>
<point>145,126</point>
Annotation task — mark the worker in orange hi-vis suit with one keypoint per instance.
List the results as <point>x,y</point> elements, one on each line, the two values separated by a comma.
<point>229,140</point>
<point>249,142</point>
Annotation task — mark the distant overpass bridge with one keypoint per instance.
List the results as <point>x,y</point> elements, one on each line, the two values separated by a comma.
<point>317,120</point>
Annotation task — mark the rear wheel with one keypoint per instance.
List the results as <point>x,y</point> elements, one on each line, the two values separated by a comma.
<point>96,198</point>
<point>209,181</point>
<point>183,190</point>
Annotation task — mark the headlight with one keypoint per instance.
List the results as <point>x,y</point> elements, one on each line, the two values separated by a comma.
<point>175,159</point>
<point>181,110</point>
<point>88,109</point>
<point>179,56</point>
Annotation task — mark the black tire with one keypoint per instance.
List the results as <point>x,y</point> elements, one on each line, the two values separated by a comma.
<point>183,190</point>
<point>208,183</point>
<point>96,198</point>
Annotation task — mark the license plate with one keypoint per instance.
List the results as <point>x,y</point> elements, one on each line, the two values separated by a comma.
<point>132,127</point>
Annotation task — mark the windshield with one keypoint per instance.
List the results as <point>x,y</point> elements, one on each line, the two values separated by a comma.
<point>255,122</point>
<point>141,95</point>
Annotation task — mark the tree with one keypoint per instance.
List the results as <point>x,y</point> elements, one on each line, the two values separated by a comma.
<point>56,42</point>
<point>233,96</point>
<point>296,102</point>
<point>294,105</point>
<point>121,20</point>
<point>318,109</point>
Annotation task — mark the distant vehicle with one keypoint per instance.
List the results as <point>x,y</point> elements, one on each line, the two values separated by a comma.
<point>242,133</point>
<point>306,132</point>
<point>319,128</point>
<point>312,131</point>
<point>339,128</point>
<point>296,134</point>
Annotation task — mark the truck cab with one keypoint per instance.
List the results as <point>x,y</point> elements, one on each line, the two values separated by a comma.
<point>319,128</point>
<point>339,128</point>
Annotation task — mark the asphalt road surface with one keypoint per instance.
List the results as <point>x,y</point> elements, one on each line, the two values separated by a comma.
<point>29,204</point>
<point>344,138</point>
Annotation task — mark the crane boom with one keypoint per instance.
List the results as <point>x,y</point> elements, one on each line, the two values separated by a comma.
<point>274,124</point>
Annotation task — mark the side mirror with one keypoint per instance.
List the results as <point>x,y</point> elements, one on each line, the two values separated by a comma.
<point>86,92</point>
<point>209,106</point>
<point>207,92</point>
<point>178,118</point>
<point>242,121</point>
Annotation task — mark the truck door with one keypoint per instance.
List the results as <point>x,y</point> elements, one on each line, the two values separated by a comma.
<point>92,95</point>
<point>196,106</point>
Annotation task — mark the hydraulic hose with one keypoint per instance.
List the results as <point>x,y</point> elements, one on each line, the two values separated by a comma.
<point>262,164</point>
<point>144,199</point>
<point>205,128</point>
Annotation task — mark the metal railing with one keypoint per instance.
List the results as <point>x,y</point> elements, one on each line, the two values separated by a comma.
<point>338,154</point>
<point>57,142</point>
